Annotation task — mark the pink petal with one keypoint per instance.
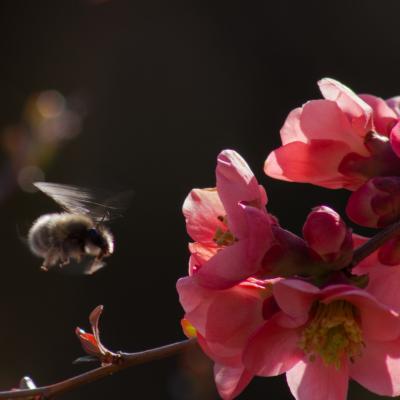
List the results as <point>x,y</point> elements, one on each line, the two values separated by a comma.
<point>384,117</point>
<point>231,381</point>
<point>384,284</point>
<point>316,162</point>
<point>323,119</point>
<point>199,254</point>
<point>236,183</point>
<point>394,104</point>
<point>225,318</point>
<point>295,298</point>
<point>395,139</point>
<point>291,130</point>
<point>258,232</point>
<point>378,321</point>
<point>193,300</point>
<point>368,263</point>
<point>272,350</point>
<point>316,381</point>
<point>378,368</point>
<point>234,315</point>
<point>220,353</point>
<point>358,112</point>
<point>359,208</point>
<point>359,240</point>
<point>228,267</point>
<point>242,259</point>
<point>201,208</point>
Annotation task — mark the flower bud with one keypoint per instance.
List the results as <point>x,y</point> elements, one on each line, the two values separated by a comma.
<point>291,256</point>
<point>376,203</point>
<point>327,234</point>
<point>92,344</point>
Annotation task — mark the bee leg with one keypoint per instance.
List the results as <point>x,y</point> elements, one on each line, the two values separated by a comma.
<point>50,260</point>
<point>64,262</point>
<point>64,259</point>
<point>94,266</point>
<point>44,267</point>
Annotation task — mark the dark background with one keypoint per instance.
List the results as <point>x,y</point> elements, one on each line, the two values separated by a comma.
<point>166,86</point>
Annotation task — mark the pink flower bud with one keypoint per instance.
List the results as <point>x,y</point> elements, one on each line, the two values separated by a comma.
<point>327,234</point>
<point>376,203</point>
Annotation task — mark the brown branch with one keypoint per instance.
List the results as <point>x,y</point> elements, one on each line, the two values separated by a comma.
<point>375,242</point>
<point>127,360</point>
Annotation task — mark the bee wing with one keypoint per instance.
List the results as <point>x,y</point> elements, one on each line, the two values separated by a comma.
<point>113,207</point>
<point>78,200</point>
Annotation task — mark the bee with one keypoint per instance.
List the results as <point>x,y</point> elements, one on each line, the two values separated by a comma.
<point>77,232</point>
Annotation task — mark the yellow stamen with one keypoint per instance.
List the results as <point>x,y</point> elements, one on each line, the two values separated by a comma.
<point>188,329</point>
<point>223,237</point>
<point>333,333</point>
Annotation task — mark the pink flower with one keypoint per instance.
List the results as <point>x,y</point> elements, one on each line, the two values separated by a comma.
<point>224,321</point>
<point>230,225</point>
<point>338,142</point>
<point>323,337</point>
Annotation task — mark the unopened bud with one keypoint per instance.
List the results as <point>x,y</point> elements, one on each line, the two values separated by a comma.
<point>290,256</point>
<point>327,234</point>
<point>376,203</point>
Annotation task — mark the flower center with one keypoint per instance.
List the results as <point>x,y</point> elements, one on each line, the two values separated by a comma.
<point>333,333</point>
<point>223,237</point>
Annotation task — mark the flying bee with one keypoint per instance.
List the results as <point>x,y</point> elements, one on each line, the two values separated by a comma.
<point>77,232</point>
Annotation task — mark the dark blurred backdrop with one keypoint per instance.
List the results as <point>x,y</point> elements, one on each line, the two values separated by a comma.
<point>143,95</point>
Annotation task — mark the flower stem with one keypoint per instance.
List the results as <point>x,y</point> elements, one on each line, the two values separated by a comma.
<point>127,360</point>
<point>375,242</point>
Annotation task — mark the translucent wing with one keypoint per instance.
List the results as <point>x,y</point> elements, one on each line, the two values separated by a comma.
<point>78,200</point>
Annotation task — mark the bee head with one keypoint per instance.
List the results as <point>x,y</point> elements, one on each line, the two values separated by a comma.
<point>98,242</point>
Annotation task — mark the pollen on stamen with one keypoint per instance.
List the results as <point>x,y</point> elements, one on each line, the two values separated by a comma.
<point>333,333</point>
<point>223,237</point>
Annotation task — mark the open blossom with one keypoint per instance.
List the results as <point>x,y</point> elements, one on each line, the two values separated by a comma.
<point>323,337</point>
<point>338,142</point>
<point>229,223</point>
<point>223,321</point>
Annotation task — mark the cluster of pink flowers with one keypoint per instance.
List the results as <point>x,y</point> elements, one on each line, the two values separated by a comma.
<point>263,301</point>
